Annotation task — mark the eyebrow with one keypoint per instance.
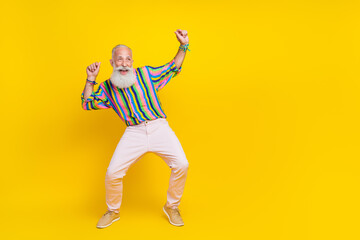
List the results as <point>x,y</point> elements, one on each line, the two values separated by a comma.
<point>121,56</point>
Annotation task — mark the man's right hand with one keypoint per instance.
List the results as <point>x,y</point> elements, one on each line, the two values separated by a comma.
<point>92,71</point>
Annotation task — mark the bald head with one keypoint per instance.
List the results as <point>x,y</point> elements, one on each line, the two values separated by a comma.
<point>120,46</point>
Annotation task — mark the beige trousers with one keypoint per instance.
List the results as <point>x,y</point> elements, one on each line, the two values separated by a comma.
<point>150,136</point>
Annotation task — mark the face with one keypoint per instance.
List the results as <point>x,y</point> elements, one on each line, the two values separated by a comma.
<point>122,57</point>
<point>123,74</point>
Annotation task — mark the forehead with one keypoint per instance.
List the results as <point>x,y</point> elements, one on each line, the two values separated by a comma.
<point>122,52</point>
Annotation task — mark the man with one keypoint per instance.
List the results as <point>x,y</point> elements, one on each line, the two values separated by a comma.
<point>132,94</point>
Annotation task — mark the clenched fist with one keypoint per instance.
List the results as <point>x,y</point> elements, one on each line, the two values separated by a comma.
<point>92,71</point>
<point>182,36</point>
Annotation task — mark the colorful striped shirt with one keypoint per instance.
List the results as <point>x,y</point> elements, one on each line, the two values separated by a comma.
<point>137,103</point>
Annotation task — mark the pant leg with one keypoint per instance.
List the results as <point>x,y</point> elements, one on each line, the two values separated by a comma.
<point>131,147</point>
<point>164,142</point>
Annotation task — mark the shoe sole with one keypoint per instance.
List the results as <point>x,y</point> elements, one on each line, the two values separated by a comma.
<point>170,220</point>
<point>116,219</point>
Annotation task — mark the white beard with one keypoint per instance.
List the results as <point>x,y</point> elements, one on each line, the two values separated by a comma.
<point>123,81</point>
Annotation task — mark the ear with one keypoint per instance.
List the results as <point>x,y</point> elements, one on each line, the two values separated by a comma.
<point>111,62</point>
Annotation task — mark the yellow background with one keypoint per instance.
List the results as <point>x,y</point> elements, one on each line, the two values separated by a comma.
<point>266,109</point>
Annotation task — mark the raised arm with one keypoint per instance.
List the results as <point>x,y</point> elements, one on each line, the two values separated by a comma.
<point>161,75</point>
<point>91,100</point>
<point>92,71</point>
<point>183,38</point>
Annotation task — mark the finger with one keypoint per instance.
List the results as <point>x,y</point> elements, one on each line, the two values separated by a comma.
<point>98,66</point>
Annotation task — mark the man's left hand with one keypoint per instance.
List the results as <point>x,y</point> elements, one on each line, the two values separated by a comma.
<point>182,36</point>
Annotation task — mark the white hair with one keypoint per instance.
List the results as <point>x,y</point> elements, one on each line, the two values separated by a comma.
<point>117,46</point>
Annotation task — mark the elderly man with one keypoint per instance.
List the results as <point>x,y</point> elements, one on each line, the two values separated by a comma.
<point>132,94</point>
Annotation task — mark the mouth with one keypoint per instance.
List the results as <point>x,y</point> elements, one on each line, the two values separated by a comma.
<point>123,71</point>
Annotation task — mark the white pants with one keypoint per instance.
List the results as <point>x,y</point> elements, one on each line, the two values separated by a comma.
<point>150,136</point>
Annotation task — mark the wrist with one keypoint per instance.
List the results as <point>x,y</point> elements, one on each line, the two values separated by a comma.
<point>184,47</point>
<point>91,78</point>
<point>90,82</point>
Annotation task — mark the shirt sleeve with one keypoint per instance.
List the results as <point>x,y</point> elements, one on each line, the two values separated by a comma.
<point>96,101</point>
<point>160,76</point>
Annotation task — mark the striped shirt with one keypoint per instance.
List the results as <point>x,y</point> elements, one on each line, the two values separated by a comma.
<point>137,103</point>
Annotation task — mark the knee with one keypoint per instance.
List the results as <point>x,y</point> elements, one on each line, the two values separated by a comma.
<point>182,166</point>
<point>114,175</point>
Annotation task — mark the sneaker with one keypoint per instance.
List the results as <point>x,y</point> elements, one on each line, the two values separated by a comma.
<point>107,219</point>
<point>174,216</point>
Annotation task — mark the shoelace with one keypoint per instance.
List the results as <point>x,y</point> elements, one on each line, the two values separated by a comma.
<point>108,212</point>
<point>176,211</point>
